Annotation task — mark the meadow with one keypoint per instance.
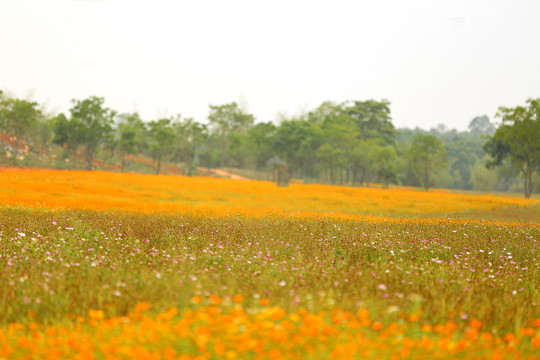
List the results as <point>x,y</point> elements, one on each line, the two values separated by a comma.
<point>101,265</point>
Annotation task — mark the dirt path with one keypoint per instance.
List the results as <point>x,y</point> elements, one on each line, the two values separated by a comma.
<point>224,173</point>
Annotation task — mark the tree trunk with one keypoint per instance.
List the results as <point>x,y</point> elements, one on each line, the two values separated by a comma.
<point>528,183</point>
<point>362,176</point>
<point>158,165</point>
<point>88,156</point>
<point>426,177</point>
<point>15,151</point>
<point>123,162</point>
<point>222,155</point>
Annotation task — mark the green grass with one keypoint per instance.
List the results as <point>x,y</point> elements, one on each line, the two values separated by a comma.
<point>62,264</point>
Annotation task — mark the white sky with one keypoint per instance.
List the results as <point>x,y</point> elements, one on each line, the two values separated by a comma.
<point>435,61</point>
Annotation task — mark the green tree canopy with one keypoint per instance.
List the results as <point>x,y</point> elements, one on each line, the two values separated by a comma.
<point>68,133</point>
<point>226,119</point>
<point>131,135</point>
<point>96,121</point>
<point>18,117</point>
<point>373,119</point>
<point>427,155</point>
<point>162,138</point>
<point>515,145</point>
<point>190,143</point>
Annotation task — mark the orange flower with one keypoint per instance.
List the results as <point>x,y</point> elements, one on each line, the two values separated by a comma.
<point>535,341</point>
<point>486,336</point>
<point>196,299</point>
<point>96,314</point>
<point>438,328</point>
<point>509,337</point>
<point>362,314</point>
<point>462,344</point>
<point>142,306</point>
<point>216,300</point>
<point>238,299</point>
<point>100,190</point>
<point>264,302</point>
<point>477,324</point>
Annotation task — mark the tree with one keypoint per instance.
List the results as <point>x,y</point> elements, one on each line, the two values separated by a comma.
<point>97,123</point>
<point>291,140</point>
<point>225,119</point>
<point>461,159</point>
<point>515,144</point>
<point>259,145</point>
<point>341,135</point>
<point>18,117</point>
<point>427,155</point>
<point>190,143</point>
<point>162,140</point>
<point>385,161</point>
<point>68,133</point>
<point>329,157</point>
<point>481,125</point>
<point>373,119</point>
<point>131,131</point>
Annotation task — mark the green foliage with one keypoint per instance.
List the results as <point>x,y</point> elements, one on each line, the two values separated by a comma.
<point>131,135</point>
<point>162,140</point>
<point>426,156</point>
<point>515,144</point>
<point>350,143</point>
<point>373,119</point>
<point>191,144</point>
<point>18,117</point>
<point>74,261</point>
<point>226,121</point>
<point>481,125</point>
<point>259,144</point>
<point>68,133</point>
<point>385,164</point>
<point>96,122</point>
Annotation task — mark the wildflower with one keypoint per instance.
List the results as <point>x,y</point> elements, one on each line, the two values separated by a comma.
<point>477,324</point>
<point>142,306</point>
<point>216,300</point>
<point>509,337</point>
<point>96,314</point>
<point>264,302</point>
<point>363,314</point>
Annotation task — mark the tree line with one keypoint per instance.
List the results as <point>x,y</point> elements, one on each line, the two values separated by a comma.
<point>349,143</point>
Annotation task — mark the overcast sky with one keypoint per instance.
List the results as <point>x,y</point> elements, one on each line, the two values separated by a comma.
<point>435,61</point>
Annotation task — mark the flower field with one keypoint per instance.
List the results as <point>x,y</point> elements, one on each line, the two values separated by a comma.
<point>117,266</point>
<point>96,190</point>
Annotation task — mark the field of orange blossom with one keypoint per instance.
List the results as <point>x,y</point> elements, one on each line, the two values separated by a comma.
<point>122,266</point>
<point>52,189</point>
